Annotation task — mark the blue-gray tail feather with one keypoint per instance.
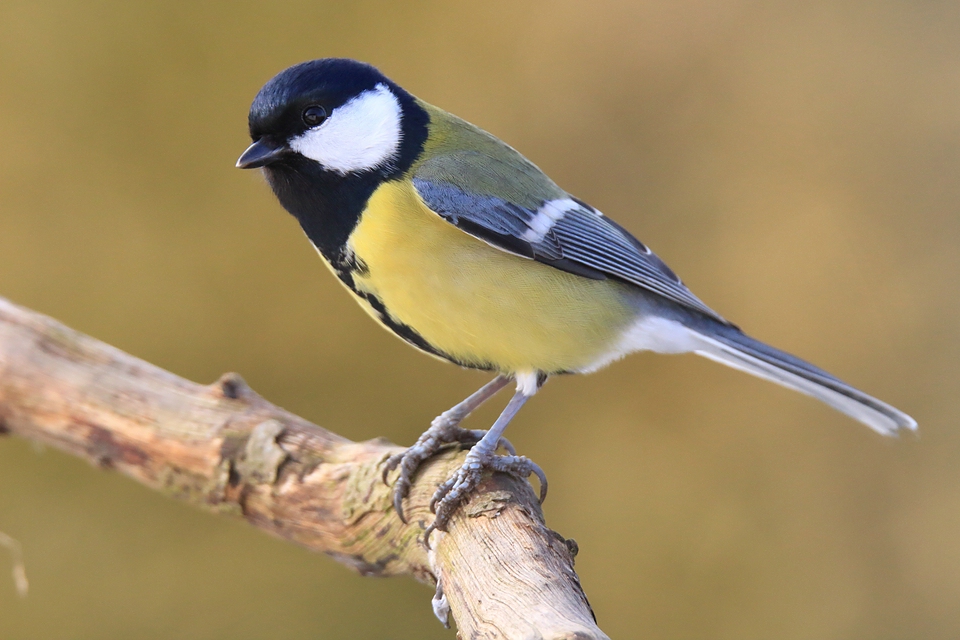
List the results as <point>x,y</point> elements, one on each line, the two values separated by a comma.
<point>728,345</point>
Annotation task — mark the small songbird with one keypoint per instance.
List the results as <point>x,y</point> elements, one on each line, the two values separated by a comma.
<point>462,247</point>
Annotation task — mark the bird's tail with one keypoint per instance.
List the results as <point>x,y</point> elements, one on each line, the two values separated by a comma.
<point>729,346</point>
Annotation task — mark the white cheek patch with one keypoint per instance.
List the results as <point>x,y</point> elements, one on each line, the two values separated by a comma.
<point>362,134</point>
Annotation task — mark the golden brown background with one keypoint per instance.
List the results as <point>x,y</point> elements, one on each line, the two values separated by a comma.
<point>797,163</point>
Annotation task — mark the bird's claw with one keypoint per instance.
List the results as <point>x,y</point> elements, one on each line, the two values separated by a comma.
<point>443,431</point>
<point>457,487</point>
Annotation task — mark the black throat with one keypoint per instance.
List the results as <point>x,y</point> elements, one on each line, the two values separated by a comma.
<point>328,204</point>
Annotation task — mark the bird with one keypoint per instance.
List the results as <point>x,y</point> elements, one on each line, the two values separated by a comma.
<point>466,250</point>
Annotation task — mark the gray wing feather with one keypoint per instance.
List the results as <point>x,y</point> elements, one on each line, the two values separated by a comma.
<point>581,241</point>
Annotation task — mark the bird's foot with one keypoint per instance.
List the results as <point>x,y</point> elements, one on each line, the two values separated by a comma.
<point>457,488</point>
<point>443,431</point>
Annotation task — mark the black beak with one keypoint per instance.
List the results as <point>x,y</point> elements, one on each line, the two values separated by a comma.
<point>261,153</point>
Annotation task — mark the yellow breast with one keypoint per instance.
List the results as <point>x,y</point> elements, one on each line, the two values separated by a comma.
<point>479,304</point>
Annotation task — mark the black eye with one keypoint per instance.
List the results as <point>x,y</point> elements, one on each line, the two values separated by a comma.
<point>314,115</point>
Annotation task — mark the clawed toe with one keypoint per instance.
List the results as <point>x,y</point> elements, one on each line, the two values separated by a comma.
<point>392,463</point>
<point>430,443</point>
<point>455,490</point>
<point>521,467</point>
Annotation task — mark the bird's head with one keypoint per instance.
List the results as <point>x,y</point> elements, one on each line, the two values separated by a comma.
<point>335,115</point>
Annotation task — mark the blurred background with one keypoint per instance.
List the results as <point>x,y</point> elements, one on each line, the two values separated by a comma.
<point>796,163</point>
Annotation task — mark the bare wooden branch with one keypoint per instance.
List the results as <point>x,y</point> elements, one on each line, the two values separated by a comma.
<point>223,447</point>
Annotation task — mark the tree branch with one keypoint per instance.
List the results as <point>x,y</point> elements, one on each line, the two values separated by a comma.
<point>224,448</point>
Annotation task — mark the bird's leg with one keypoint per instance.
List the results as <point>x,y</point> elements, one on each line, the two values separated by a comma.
<point>445,429</point>
<point>456,489</point>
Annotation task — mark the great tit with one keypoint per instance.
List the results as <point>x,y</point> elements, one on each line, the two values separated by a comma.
<point>463,248</point>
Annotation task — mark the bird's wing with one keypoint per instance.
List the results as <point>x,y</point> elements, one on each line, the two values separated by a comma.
<point>513,206</point>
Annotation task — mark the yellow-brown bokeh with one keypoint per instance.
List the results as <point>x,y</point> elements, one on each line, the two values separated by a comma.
<point>796,163</point>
